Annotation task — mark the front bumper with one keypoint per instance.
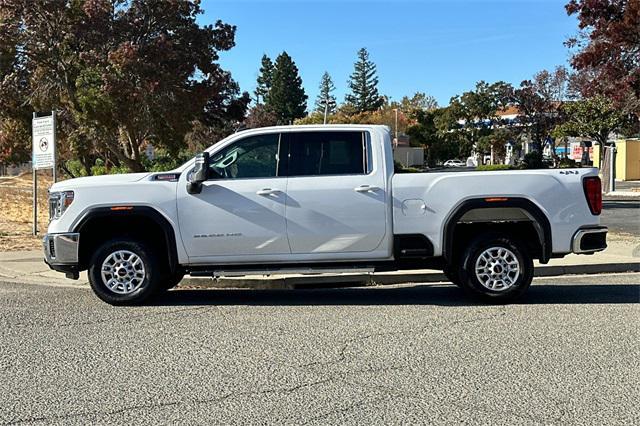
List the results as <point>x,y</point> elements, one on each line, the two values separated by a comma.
<point>589,240</point>
<point>61,252</point>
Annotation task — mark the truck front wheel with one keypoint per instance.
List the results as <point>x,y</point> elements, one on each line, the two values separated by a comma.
<point>496,267</point>
<point>125,272</point>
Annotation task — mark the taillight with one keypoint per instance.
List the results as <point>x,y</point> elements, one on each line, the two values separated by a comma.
<point>593,192</point>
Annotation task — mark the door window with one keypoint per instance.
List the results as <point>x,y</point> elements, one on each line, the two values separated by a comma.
<point>252,157</point>
<point>327,153</point>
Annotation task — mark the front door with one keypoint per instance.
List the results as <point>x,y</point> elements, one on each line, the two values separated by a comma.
<point>336,201</point>
<point>240,213</point>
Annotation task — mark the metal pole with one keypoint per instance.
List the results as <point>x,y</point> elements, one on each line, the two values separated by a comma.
<point>35,186</point>
<point>612,168</point>
<point>55,150</point>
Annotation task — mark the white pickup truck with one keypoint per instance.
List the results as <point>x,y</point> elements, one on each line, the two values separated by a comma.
<point>299,199</point>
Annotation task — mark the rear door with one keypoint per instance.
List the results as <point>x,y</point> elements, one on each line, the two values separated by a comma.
<point>335,195</point>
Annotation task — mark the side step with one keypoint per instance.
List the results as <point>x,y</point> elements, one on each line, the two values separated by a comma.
<point>281,271</point>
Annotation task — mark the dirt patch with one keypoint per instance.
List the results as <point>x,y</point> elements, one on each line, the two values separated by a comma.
<point>16,220</point>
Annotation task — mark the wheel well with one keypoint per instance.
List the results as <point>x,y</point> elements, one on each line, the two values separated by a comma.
<point>512,216</point>
<point>525,232</point>
<point>101,226</point>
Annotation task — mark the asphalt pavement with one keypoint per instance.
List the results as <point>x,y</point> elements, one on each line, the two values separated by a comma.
<point>568,353</point>
<point>621,216</point>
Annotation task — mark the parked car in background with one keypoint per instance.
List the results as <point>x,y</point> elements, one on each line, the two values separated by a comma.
<point>454,163</point>
<point>309,199</point>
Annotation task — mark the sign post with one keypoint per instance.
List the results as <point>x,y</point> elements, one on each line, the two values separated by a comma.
<point>43,132</point>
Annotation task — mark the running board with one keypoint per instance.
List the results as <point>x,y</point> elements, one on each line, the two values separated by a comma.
<point>280,271</point>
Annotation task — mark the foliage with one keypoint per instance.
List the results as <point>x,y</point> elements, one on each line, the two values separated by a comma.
<point>567,163</point>
<point>261,116</point>
<point>15,141</point>
<point>411,106</point>
<point>594,118</point>
<point>534,160</point>
<point>493,167</point>
<point>364,96</point>
<point>264,80</point>
<point>539,103</point>
<point>286,99</point>
<point>399,168</point>
<point>496,142</point>
<point>439,146</point>
<point>326,101</point>
<point>121,74</point>
<point>607,50</point>
<point>471,117</point>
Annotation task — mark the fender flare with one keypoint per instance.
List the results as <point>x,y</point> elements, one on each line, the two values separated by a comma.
<point>540,221</point>
<point>135,211</point>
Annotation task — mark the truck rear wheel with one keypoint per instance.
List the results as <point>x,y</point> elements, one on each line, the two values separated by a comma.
<point>496,268</point>
<point>125,272</point>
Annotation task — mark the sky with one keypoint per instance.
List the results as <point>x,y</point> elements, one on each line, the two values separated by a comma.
<point>440,47</point>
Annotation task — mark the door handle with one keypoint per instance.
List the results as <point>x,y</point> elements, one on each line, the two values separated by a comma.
<point>268,191</point>
<point>366,188</point>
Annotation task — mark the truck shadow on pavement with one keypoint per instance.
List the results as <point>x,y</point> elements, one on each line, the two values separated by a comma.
<point>438,295</point>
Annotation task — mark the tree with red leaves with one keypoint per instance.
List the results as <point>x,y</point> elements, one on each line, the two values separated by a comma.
<point>607,47</point>
<point>121,73</point>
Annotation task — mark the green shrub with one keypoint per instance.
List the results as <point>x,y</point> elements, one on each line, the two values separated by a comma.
<point>492,167</point>
<point>533,160</point>
<point>567,163</point>
<point>408,170</point>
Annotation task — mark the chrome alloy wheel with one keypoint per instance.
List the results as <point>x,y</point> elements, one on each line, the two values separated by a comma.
<point>123,272</point>
<point>497,268</point>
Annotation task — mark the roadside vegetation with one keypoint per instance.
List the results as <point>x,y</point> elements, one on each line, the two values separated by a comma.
<point>16,220</point>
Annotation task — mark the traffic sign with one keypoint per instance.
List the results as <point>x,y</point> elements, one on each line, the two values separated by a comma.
<point>44,142</point>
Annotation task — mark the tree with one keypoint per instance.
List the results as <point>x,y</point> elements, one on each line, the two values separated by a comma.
<point>122,74</point>
<point>608,49</point>
<point>595,118</point>
<point>539,103</point>
<point>439,147</point>
<point>474,114</point>
<point>287,98</point>
<point>363,83</point>
<point>420,101</point>
<point>264,79</point>
<point>260,116</point>
<point>326,102</point>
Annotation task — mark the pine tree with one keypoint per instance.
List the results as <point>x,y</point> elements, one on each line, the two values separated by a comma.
<point>264,79</point>
<point>326,102</point>
<point>287,98</point>
<point>363,83</point>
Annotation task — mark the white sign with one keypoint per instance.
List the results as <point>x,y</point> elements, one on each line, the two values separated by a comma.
<point>43,133</point>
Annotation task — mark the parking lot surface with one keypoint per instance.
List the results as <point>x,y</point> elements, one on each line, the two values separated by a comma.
<point>568,353</point>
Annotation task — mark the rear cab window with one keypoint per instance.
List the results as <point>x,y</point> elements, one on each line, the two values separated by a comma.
<point>327,153</point>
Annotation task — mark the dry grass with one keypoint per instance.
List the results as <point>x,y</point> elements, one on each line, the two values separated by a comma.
<point>16,220</point>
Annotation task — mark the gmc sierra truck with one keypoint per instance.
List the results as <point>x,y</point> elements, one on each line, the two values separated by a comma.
<point>312,199</point>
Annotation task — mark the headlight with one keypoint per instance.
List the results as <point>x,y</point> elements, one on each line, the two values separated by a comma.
<point>58,203</point>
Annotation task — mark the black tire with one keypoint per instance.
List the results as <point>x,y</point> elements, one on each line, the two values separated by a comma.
<point>143,289</point>
<point>488,244</point>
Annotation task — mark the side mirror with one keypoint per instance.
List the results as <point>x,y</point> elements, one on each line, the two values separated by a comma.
<point>199,174</point>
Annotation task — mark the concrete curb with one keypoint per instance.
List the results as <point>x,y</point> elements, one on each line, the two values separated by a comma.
<point>327,281</point>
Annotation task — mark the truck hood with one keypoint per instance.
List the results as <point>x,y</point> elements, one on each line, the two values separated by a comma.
<point>98,181</point>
